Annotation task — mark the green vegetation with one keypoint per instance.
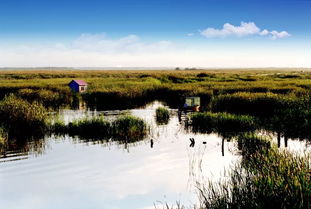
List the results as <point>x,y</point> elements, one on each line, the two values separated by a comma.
<point>124,128</point>
<point>3,138</point>
<point>21,118</point>
<point>127,89</point>
<point>223,123</point>
<point>129,128</point>
<point>48,98</point>
<point>162,115</point>
<point>266,178</point>
<point>279,99</point>
<point>236,104</point>
<point>258,104</point>
<point>95,127</point>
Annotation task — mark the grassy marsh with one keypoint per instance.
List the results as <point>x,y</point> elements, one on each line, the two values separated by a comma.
<point>126,89</point>
<point>280,98</point>
<point>235,104</point>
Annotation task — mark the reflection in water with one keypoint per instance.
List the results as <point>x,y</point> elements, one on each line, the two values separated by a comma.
<point>19,149</point>
<point>70,172</point>
<point>151,143</point>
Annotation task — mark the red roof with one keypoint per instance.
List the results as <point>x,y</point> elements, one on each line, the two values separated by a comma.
<point>80,82</point>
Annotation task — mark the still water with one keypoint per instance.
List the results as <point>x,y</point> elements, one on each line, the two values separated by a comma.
<point>71,173</point>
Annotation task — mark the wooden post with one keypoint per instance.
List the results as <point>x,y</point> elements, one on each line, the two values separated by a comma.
<point>179,115</point>
<point>279,139</point>
<point>223,146</point>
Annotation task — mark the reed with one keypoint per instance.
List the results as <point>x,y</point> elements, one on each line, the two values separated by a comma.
<point>95,127</point>
<point>259,104</point>
<point>129,128</point>
<point>269,178</point>
<point>47,97</point>
<point>124,128</point>
<point>135,88</point>
<point>3,138</point>
<point>162,115</point>
<point>20,117</point>
<point>222,123</point>
<point>58,127</point>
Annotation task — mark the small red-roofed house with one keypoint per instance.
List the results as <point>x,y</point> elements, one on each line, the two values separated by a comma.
<point>78,85</point>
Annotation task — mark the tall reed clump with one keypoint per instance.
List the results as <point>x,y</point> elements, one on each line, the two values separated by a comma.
<point>124,128</point>
<point>222,123</point>
<point>21,118</point>
<point>129,128</point>
<point>95,127</point>
<point>266,178</point>
<point>162,115</point>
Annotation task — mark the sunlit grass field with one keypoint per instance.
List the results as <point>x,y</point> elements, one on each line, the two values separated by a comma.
<point>51,86</point>
<point>223,80</point>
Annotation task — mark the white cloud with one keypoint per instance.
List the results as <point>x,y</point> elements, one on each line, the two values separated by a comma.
<point>276,35</point>
<point>190,34</point>
<point>264,32</point>
<point>245,29</point>
<point>127,44</point>
<point>89,50</point>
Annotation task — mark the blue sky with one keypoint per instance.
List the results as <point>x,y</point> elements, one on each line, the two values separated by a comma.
<point>189,26</point>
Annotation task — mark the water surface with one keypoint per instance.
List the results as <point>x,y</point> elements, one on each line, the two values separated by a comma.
<point>72,173</point>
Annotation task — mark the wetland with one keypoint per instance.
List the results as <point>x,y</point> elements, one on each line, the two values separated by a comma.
<point>127,142</point>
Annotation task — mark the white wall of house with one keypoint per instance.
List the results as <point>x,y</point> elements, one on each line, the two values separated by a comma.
<point>82,88</point>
